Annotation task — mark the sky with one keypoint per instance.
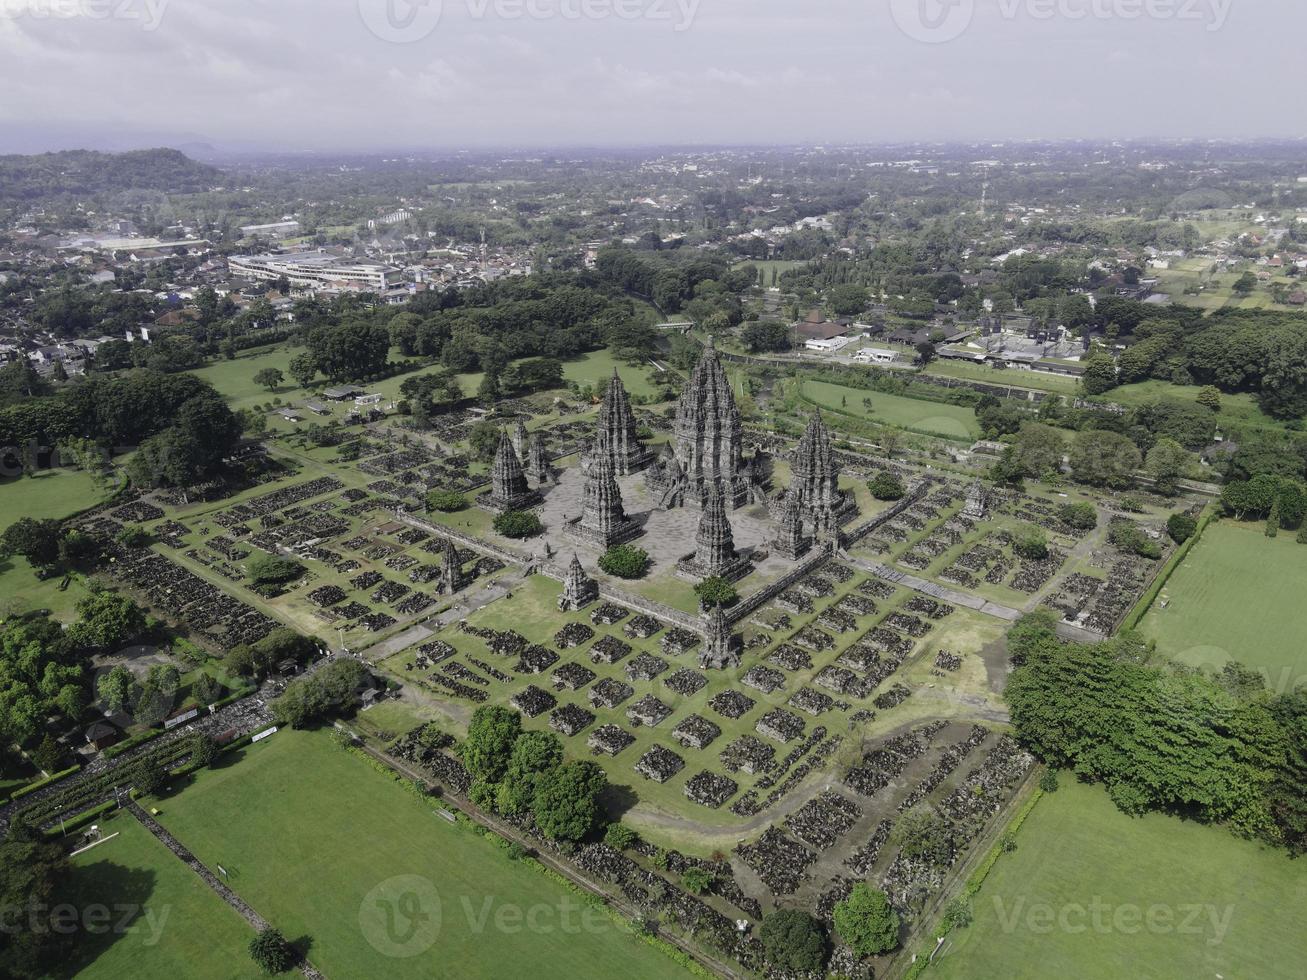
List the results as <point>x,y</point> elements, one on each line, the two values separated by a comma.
<point>375,75</point>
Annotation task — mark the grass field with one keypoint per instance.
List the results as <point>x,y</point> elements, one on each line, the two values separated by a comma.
<point>908,413</point>
<point>320,843</point>
<point>183,929</point>
<point>1038,380</point>
<point>235,379</point>
<point>1241,409</point>
<point>1235,597</point>
<point>1091,893</point>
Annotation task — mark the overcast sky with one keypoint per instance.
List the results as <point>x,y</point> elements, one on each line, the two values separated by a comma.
<point>382,74</point>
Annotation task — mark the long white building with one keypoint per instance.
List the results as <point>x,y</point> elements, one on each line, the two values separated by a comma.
<point>315,270</point>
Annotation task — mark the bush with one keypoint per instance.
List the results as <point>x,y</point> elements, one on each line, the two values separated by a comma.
<point>958,913</point>
<point>696,881</point>
<point>271,952</point>
<point>266,569</point>
<point>1181,527</point>
<point>886,486</point>
<point>716,591</point>
<point>446,501</point>
<point>625,561</point>
<point>620,837</point>
<point>1048,781</point>
<point>518,524</point>
<point>1083,516</point>
<point>133,536</point>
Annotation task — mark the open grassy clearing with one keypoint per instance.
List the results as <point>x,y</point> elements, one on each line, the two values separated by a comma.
<point>1239,408</point>
<point>1091,893</point>
<point>1236,597</point>
<point>322,845</point>
<point>953,421</point>
<point>54,493</point>
<point>1038,380</point>
<point>182,928</point>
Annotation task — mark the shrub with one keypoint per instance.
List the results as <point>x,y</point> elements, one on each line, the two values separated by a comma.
<point>696,881</point>
<point>625,561</point>
<point>266,569</point>
<point>133,536</point>
<point>886,486</point>
<point>958,913</point>
<point>446,501</point>
<point>716,591</point>
<point>619,836</point>
<point>518,524</point>
<point>1048,781</point>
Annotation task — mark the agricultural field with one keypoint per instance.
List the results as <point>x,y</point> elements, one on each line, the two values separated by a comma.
<point>286,822</point>
<point>1092,893</point>
<point>1235,597</point>
<point>182,927</point>
<point>935,418</point>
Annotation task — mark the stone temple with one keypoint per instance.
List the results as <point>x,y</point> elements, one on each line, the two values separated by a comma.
<point>603,520</point>
<point>816,481</point>
<point>714,553</point>
<point>508,487</point>
<point>707,443</point>
<point>616,431</point>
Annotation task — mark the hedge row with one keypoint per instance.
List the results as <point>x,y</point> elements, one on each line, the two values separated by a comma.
<point>1136,615</point>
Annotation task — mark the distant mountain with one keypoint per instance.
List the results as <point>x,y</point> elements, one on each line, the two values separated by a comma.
<point>30,178</point>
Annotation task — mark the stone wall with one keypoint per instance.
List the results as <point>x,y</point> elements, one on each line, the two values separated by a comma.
<point>915,493</point>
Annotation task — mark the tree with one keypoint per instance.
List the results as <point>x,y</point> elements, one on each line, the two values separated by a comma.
<point>1245,284</point>
<point>1167,463</point>
<point>32,875</point>
<point>239,661</point>
<point>886,486</point>
<point>534,754</point>
<point>269,569</point>
<point>446,501</point>
<point>1273,520</point>
<point>35,540</point>
<point>867,922</point>
<point>271,953</point>
<point>1210,398</point>
<point>491,735</point>
<point>716,591</point>
<point>696,881</point>
<point>848,300</point>
<point>148,776</point>
<point>1038,449</point>
<point>926,353</point>
<point>1031,544</point>
<point>566,802</point>
<point>1100,374</point>
<point>1083,515</point>
<point>303,368</point>
<point>625,561</point>
<point>351,349</point>
<point>765,335</point>
<point>518,524</point>
<point>1105,459</point>
<point>202,749</point>
<point>107,620</point>
<point>620,837</point>
<point>133,536</point>
<point>1181,527</point>
<point>270,378</point>
<point>115,688</point>
<point>793,940</point>
<point>483,439</point>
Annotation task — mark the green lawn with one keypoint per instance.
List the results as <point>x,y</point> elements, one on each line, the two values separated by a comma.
<point>1241,409</point>
<point>56,493</point>
<point>908,413</point>
<point>1090,893</point>
<point>1235,597</point>
<point>320,844</point>
<point>182,929</point>
<point>235,379</point>
<point>1038,380</point>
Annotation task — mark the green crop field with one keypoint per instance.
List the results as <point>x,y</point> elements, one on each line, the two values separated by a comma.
<point>909,413</point>
<point>1090,893</point>
<point>325,847</point>
<point>1235,597</point>
<point>181,929</point>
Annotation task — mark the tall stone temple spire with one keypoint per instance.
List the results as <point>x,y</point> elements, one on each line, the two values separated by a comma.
<point>816,479</point>
<point>791,541</point>
<point>616,430</point>
<point>520,438</point>
<point>708,438</point>
<point>451,569</point>
<point>721,647</point>
<point>603,519</point>
<point>508,487</point>
<point>579,589</point>
<point>714,553</point>
<point>538,466</point>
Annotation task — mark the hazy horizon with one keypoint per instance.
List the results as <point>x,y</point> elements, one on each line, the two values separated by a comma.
<point>387,75</point>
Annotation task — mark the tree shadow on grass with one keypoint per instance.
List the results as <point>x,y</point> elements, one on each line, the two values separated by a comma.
<point>112,905</point>
<point>617,800</point>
